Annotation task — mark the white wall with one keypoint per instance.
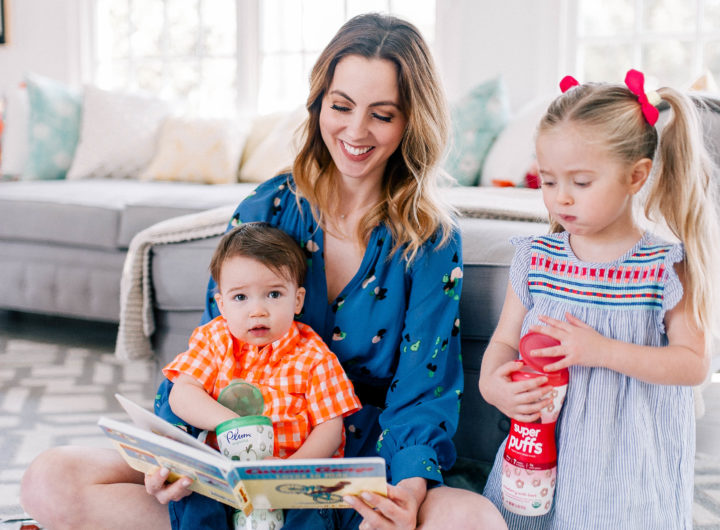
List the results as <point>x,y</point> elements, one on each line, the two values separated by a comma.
<point>475,40</point>
<point>521,40</point>
<point>44,38</point>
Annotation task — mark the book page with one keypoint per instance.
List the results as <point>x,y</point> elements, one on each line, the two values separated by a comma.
<point>146,452</point>
<point>150,422</point>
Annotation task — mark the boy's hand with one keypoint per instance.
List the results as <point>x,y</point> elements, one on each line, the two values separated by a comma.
<point>579,343</point>
<point>520,400</point>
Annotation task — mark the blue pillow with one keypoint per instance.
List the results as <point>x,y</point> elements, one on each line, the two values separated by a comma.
<point>477,120</point>
<point>53,127</point>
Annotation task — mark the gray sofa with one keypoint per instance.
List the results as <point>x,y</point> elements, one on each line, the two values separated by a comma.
<point>63,243</point>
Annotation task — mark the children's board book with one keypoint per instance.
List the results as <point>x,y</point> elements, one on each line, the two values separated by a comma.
<point>150,442</point>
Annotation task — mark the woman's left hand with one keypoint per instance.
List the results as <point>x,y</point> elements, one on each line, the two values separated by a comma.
<point>579,343</point>
<point>398,510</point>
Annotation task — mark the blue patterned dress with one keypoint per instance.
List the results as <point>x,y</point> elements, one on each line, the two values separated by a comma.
<point>395,330</point>
<point>625,447</point>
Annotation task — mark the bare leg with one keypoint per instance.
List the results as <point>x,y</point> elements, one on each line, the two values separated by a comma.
<point>80,487</point>
<point>447,507</point>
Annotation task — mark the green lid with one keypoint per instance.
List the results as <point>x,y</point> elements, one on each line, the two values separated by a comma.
<point>243,398</point>
<point>243,421</point>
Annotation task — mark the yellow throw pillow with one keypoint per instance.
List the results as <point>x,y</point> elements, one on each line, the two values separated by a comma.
<point>276,151</point>
<point>197,150</point>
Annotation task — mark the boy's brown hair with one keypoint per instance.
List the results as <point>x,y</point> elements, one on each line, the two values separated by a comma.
<point>264,243</point>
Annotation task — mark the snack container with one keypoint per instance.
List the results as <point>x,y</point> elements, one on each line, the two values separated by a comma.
<point>529,468</point>
<point>246,438</point>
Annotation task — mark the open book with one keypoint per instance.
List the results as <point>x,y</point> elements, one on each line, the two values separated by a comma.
<point>303,483</point>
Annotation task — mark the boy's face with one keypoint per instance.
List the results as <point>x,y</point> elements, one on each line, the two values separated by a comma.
<point>258,304</point>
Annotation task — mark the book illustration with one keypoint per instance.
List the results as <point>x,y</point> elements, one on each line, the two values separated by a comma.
<point>151,442</point>
<point>318,493</point>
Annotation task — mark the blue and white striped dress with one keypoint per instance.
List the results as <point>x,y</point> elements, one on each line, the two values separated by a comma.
<point>625,447</point>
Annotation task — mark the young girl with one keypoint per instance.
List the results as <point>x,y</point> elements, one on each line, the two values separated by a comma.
<point>633,313</point>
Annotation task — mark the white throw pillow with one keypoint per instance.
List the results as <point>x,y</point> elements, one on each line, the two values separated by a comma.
<point>15,132</point>
<point>197,150</point>
<point>513,152</point>
<point>276,151</point>
<point>118,134</point>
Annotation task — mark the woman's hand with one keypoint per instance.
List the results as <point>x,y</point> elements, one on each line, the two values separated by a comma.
<point>520,400</point>
<point>579,343</point>
<point>164,493</point>
<point>398,510</point>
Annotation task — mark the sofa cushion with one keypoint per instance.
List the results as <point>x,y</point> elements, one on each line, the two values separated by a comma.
<point>165,200</point>
<point>118,134</point>
<point>53,127</point>
<point>100,213</point>
<point>477,119</point>
<point>61,280</point>
<point>206,151</point>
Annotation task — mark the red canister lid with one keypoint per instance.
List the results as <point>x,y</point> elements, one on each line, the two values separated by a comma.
<point>536,341</point>
<point>558,378</point>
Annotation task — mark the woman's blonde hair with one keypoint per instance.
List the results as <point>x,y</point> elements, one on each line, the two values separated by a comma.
<point>682,193</point>
<point>410,204</point>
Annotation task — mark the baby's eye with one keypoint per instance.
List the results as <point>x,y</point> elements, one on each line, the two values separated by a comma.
<point>386,119</point>
<point>239,297</point>
<point>274,294</point>
<point>339,108</point>
<point>547,183</point>
<point>582,184</point>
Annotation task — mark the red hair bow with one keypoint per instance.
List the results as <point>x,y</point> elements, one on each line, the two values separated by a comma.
<point>567,82</point>
<point>635,81</point>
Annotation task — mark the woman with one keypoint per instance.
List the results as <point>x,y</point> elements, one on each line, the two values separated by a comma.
<point>384,278</point>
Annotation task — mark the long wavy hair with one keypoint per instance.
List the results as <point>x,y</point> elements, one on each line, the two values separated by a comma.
<point>681,191</point>
<point>410,204</point>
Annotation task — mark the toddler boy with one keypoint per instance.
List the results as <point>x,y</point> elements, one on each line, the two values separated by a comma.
<point>259,270</point>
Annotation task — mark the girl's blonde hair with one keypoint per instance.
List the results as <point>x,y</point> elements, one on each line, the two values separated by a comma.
<point>681,194</point>
<point>410,204</point>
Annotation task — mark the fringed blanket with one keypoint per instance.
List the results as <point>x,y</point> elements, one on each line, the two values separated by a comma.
<point>136,309</point>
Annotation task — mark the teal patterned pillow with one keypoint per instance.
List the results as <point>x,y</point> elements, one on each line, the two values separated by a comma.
<point>53,127</point>
<point>477,119</point>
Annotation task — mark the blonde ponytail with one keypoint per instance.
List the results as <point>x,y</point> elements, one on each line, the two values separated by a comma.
<point>683,195</point>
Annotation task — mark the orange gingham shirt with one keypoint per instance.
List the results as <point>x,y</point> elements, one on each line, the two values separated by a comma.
<point>301,380</point>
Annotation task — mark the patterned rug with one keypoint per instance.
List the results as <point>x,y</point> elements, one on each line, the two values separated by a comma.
<point>57,377</point>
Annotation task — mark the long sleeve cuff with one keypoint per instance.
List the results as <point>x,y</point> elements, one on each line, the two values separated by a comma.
<point>415,461</point>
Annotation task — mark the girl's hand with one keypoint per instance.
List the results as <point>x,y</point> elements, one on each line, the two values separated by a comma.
<point>164,493</point>
<point>397,511</point>
<point>579,343</point>
<point>520,400</point>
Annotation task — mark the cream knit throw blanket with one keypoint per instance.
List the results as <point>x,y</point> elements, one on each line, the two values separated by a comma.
<point>136,309</point>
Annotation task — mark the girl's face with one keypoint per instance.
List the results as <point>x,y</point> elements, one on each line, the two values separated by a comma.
<point>585,189</point>
<point>360,118</point>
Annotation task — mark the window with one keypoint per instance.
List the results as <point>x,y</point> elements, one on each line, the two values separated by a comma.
<point>225,57</point>
<point>294,33</point>
<point>672,41</point>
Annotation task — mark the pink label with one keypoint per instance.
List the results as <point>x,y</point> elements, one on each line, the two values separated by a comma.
<point>531,445</point>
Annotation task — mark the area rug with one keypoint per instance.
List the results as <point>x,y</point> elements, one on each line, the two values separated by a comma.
<point>53,394</point>
<point>55,384</point>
